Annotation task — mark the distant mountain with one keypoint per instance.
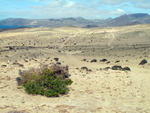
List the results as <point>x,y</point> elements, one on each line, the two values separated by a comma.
<point>130,19</point>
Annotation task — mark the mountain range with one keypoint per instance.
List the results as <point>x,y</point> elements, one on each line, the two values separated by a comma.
<point>126,19</point>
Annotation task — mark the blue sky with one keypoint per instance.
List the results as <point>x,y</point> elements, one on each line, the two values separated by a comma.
<point>91,9</point>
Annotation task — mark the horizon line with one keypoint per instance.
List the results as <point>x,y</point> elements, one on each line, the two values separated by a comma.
<point>71,17</point>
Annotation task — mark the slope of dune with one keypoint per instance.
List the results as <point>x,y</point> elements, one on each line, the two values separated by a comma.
<point>97,90</point>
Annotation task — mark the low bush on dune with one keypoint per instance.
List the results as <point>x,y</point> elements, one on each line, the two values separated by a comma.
<point>48,81</point>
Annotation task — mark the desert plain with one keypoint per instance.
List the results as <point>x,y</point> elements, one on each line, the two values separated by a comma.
<point>90,55</point>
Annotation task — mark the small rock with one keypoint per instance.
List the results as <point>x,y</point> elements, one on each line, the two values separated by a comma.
<point>94,60</point>
<point>143,62</point>
<point>84,60</point>
<point>126,69</point>
<point>90,70</point>
<point>117,61</point>
<point>3,66</point>
<point>58,63</point>
<point>18,79</point>
<point>56,59</point>
<point>11,48</point>
<point>84,68</point>
<point>106,68</point>
<point>18,64</point>
<point>108,62</point>
<point>103,60</point>
<point>101,69</point>
<point>116,67</point>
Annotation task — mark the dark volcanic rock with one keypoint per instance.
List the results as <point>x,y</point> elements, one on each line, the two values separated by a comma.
<point>11,48</point>
<point>19,81</point>
<point>84,68</point>
<point>117,61</point>
<point>103,60</point>
<point>126,69</point>
<point>94,60</point>
<point>56,59</point>
<point>108,62</point>
<point>90,70</point>
<point>107,68</point>
<point>143,62</point>
<point>116,67</point>
<point>84,60</point>
<point>3,66</point>
<point>18,64</point>
<point>58,63</point>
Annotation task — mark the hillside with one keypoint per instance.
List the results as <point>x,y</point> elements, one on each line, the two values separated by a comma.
<point>90,55</point>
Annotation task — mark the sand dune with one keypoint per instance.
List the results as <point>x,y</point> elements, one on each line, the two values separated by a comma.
<point>96,91</point>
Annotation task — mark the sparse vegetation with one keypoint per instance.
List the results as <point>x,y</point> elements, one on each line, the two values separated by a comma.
<point>49,81</point>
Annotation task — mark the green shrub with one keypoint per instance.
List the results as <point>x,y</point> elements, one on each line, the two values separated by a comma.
<point>45,81</point>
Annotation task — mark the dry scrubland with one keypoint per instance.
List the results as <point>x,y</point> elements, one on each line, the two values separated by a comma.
<point>95,88</point>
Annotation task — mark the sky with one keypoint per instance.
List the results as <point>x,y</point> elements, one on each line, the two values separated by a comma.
<point>90,9</point>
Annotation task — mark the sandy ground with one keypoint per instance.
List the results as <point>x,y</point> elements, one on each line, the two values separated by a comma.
<point>95,91</point>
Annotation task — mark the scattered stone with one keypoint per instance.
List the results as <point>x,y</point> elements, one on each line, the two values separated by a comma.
<point>126,69</point>
<point>58,63</point>
<point>56,59</point>
<point>90,70</point>
<point>11,48</point>
<point>84,68</point>
<point>143,62</point>
<point>18,79</point>
<point>107,68</point>
<point>108,62</point>
<point>94,60</point>
<point>18,64</point>
<point>3,66</point>
<point>77,68</point>
<point>117,61</point>
<point>103,60</point>
<point>116,67</point>
<point>84,60</point>
<point>101,69</point>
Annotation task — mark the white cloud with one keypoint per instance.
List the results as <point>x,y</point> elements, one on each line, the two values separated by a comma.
<point>66,8</point>
<point>143,5</point>
<point>74,8</point>
<point>112,2</point>
<point>120,11</point>
<point>137,3</point>
<point>69,4</point>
